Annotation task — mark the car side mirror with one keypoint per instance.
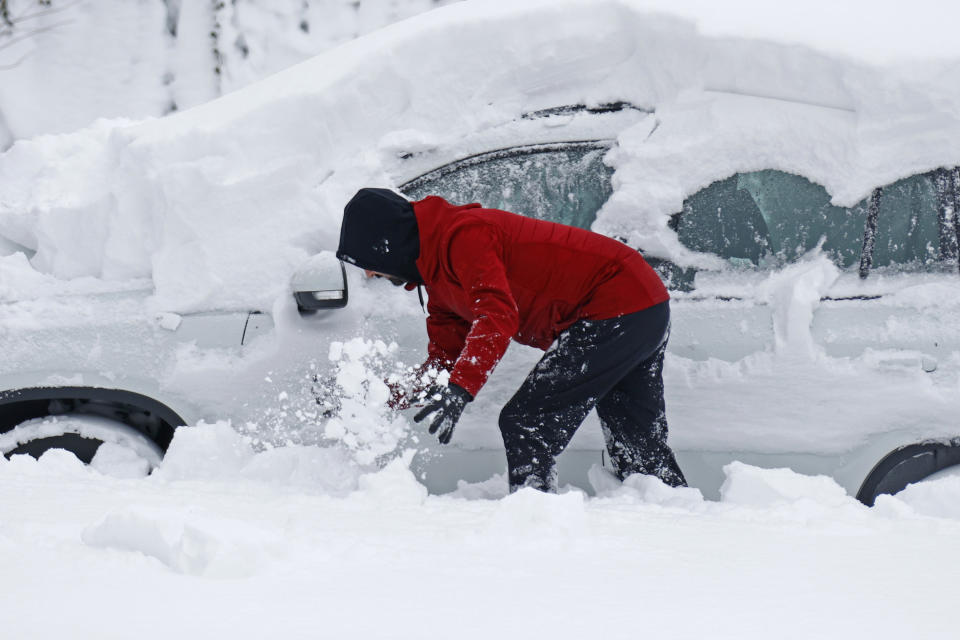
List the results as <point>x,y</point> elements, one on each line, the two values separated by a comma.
<point>321,283</point>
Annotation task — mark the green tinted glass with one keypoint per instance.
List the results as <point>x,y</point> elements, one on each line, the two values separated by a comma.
<point>723,219</point>
<point>908,232</point>
<point>567,185</point>
<point>770,217</point>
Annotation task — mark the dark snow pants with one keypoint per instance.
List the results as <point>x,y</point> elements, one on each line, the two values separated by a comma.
<point>615,365</point>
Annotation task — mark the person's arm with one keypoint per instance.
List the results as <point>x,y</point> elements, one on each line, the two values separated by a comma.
<point>446,333</point>
<point>476,258</point>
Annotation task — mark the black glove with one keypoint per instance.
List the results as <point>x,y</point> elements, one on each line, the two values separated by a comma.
<point>446,403</point>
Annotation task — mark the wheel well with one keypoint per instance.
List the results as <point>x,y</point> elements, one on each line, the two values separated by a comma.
<point>148,416</point>
<point>906,465</point>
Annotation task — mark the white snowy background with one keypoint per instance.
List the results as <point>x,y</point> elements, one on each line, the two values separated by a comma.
<point>230,540</point>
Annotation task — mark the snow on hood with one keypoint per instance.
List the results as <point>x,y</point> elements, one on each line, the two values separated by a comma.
<point>219,204</point>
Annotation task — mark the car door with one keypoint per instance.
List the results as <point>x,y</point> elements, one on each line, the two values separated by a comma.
<point>781,244</point>
<point>904,301</point>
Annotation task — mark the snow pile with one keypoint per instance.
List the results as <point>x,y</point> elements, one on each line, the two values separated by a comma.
<point>305,561</point>
<point>55,463</point>
<point>752,486</point>
<point>795,293</point>
<point>214,548</point>
<point>934,497</point>
<point>525,512</point>
<point>643,489</point>
<point>217,452</point>
<point>393,486</point>
<point>124,452</point>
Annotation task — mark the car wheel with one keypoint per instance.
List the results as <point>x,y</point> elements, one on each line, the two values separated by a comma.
<point>949,472</point>
<point>111,447</point>
<point>908,465</point>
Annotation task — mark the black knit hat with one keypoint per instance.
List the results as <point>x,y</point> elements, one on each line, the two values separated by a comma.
<point>379,233</point>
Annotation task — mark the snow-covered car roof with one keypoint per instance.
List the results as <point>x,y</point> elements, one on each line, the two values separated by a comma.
<point>217,205</point>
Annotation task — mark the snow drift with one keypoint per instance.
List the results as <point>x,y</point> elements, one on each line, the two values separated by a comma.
<point>307,560</point>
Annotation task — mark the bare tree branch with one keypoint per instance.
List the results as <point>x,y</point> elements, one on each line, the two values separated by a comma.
<point>48,11</point>
<point>13,21</point>
<point>30,34</point>
<point>11,34</point>
<point>15,63</point>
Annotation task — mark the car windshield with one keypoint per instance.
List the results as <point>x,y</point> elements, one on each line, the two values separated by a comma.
<point>565,183</point>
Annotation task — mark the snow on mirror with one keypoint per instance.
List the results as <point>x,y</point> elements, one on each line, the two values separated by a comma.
<point>321,283</point>
<point>564,182</point>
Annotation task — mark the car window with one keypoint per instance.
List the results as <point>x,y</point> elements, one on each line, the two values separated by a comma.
<point>765,218</point>
<point>908,229</point>
<point>915,227</point>
<point>565,183</point>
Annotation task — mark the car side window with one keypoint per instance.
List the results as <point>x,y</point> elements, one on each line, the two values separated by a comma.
<point>566,183</point>
<point>915,228</point>
<point>765,218</point>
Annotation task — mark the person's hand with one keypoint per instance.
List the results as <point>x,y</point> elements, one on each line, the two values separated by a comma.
<point>413,386</point>
<point>446,405</point>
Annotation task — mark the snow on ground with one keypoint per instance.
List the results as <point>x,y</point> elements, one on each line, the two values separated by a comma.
<point>295,543</point>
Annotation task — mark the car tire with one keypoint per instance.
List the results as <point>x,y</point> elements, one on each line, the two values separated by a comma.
<point>107,445</point>
<point>908,465</point>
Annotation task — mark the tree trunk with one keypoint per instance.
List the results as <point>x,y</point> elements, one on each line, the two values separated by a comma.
<point>6,136</point>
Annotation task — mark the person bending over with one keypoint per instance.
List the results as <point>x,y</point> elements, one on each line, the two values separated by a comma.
<point>593,304</point>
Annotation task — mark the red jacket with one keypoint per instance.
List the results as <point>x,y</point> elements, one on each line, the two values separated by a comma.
<point>493,275</point>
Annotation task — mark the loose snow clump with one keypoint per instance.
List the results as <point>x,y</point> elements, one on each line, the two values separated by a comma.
<point>361,418</point>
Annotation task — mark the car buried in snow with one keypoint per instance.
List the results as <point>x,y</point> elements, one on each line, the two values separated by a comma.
<point>883,317</point>
<point>815,295</point>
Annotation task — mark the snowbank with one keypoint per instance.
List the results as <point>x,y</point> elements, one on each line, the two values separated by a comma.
<point>385,560</point>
